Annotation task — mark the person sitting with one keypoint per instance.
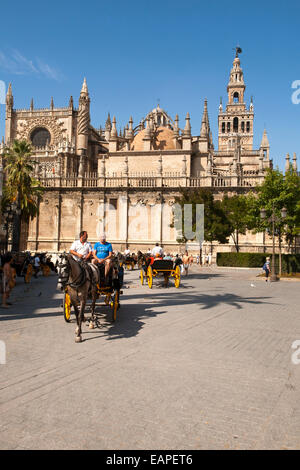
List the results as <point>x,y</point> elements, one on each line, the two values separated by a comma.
<point>154,258</point>
<point>127,253</point>
<point>157,249</point>
<point>102,254</point>
<point>81,249</point>
<point>168,257</point>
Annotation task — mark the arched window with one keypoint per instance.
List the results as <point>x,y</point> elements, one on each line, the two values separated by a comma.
<point>228,126</point>
<point>243,126</point>
<point>248,126</point>
<point>236,97</point>
<point>235,124</point>
<point>40,137</point>
<point>223,127</point>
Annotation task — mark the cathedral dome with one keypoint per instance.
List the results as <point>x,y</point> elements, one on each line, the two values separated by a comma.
<point>163,140</point>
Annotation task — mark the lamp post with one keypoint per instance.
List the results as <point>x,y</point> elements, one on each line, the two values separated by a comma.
<point>273,219</point>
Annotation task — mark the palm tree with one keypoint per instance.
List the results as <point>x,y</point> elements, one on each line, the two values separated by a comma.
<point>20,186</point>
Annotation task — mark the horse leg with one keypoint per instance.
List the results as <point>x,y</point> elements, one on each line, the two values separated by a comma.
<point>78,337</point>
<point>94,297</point>
<point>82,306</point>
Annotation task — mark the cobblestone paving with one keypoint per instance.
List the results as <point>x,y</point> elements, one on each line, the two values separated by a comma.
<point>205,366</point>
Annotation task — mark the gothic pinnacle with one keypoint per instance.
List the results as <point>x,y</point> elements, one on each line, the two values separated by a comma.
<point>84,89</point>
<point>287,162</point>
<point>176,127</point>
<point>205,128</point>
<point>114,128</point>
<point>130,129</point>
<point>294,162</point>
<point>9,97</point>
<point>187,128</point>
<point>265,140</point>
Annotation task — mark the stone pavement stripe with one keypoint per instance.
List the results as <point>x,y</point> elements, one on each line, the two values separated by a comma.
<point>185,371</point>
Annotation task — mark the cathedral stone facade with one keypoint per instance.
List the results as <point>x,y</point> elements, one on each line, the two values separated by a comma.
<point>124,182</point>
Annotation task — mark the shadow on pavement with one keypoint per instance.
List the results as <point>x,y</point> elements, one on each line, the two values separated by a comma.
<point>130,316</point>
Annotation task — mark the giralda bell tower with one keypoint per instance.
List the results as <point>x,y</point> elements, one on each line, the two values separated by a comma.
<point>236,122</point>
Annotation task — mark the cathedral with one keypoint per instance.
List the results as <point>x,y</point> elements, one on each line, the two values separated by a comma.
<point>124,182</point>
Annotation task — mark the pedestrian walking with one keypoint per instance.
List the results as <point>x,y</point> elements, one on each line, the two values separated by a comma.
<point>7,278</point>
<point>266,268</point>
<point>185,260</point>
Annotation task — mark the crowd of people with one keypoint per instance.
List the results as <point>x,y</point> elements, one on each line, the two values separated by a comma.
<point>185,260</point>
<point>100,254</point>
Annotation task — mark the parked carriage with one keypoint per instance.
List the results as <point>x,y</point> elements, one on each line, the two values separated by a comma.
<point>46,264</point>
<point>160,267</point>
<point>129,262</point>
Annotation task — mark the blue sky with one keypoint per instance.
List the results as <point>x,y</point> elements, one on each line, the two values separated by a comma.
<point>134,53</point>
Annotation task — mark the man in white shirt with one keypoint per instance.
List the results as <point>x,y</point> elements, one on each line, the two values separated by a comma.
<point>37,264</point>
<point>81,249</point>
<point>127,252</point>
<point>157,250</point>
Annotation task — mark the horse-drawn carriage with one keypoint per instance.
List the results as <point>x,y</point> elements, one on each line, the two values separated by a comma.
<point>23,265</point>
<point>83,282</point>
<point>111,297</point>
<point>159,267</point>
<point>128,261</point>
<point>46,264</point>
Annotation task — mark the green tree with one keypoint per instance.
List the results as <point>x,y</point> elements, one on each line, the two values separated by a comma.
<point>216,224</point>
<point>291,198</point>
<point>20,185</point>
<point>236,210</point>
<point>276,192</point>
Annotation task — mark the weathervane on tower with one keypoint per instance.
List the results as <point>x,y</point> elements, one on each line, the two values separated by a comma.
<point>238,51</point>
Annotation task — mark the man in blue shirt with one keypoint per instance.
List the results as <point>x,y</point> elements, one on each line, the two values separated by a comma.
<point>102,253</point>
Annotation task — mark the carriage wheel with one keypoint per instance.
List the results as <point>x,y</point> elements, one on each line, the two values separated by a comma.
<point>67,307</point>
<point>28,274</point>
<point>115,305</point>
<point>142,276</point>
<point>132,265</point>
<point>149,277</point>
<point>177,277</point>
<point>166,281</point>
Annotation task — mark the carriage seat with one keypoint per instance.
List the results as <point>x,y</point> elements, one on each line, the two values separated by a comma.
<point>162,264</point>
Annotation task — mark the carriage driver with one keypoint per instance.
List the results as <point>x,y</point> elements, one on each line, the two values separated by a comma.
<point>102,253</point>
<point>81,249</point>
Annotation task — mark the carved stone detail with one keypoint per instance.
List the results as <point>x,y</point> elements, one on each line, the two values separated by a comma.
<point>48,169</point>
<point>52,124</point>
<point>83,117</point>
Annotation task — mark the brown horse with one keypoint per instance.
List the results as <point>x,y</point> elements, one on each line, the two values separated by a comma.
<point>80,279</point>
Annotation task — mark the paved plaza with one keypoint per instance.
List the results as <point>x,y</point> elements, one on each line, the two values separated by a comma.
<point>205,366</point>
